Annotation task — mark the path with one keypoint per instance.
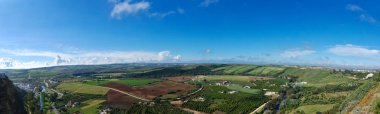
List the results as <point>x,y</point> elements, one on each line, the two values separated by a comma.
<point>259,109</point>
<point>192,111</point>
<point>366,103</point>
<point>143,99</point>
<point>201,88</point>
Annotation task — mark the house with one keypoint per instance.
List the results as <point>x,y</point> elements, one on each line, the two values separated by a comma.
<point>269,93</point>
<point>300,83</point>
<point>247,87</point>
<point>370,75</point>
<point>225,82</point>
<point>199,99</point>
<point>232,92</point>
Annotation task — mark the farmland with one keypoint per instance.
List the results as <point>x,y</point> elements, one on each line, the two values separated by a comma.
<point>231,78</point>
<point>208,88</point>
<point>130,82</point>
<point>118,100</point>
<point>154,90</point>
<point>229,103</point>
<point>82,88</point>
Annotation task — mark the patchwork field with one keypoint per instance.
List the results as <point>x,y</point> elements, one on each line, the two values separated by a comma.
<point>82,88</point>
<point>231,78</point>
<point>330,80</point>
<point>268,70</point>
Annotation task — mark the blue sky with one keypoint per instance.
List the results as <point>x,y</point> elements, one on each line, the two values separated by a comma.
<point>38,33</point>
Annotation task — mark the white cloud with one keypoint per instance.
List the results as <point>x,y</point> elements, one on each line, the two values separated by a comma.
<point>353,7</point>
<point>128,8</point>
<point>363,15</point>
<point>207,3</point>
<point>177,58</point>
<point>9,63</point>
<point>85,58</point>
<point>367,18</point>
<point>353,50</point>
<point>165,14</point>
<point>296,53</point>
<point>162,15</point>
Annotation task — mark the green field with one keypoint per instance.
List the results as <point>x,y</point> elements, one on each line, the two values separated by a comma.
<point>235,69</point>
<point>329,80</point>
<point>226,77</point>
<point>92,106</point>
<point>130,82</point>
<point>82,88</point>
<point>267,70</point>
<point>312,109</point>
<point>242,89</point>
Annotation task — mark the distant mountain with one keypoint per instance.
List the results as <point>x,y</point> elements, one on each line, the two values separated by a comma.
<point>10,98</point>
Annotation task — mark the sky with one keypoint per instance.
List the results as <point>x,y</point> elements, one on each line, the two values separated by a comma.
<point>41,33</point>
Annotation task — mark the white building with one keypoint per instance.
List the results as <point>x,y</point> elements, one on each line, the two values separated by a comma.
<point>370,75</point>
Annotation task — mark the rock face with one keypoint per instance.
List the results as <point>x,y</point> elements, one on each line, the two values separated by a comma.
<point>10,99</point>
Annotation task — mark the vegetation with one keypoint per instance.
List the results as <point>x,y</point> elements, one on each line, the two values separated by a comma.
<point>242,89</point>
<point>155,108</point>
<point>217,99</point>
<point>313,109</point>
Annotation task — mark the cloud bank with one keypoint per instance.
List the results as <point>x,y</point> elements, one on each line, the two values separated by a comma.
<point>84,58</point>
<point>353,50</point>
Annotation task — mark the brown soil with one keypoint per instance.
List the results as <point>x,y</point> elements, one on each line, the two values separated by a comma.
<point>154,90</point>
<point>119,100</point>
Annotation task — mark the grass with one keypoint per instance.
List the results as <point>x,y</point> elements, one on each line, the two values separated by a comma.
<point>242,89</point>
<point>307,75</point>
<point>312,109</point>
<point>92,106</point>
<point>136,82</point>
<point>267,70</point>
<point>82,88</point>
<point>225,77</point>
<point>130,82</point>
<point>329,80</point>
